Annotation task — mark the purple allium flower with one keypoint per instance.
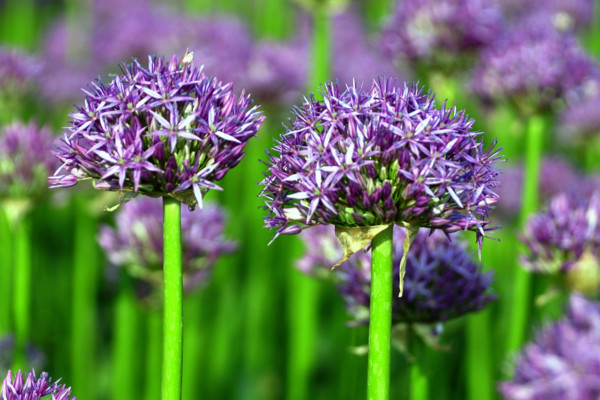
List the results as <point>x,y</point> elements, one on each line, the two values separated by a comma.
<point>354,57</point>
<point>25,160</point>
<point>442,280</point>
<point>165,130</point>
<point>560,15</point>
<point>379,156</point>
<point>16,69</point>
<point>566,238</point>
<point>556,176</point>
<point>562,362</point>
<point>436,32</point>
<point>532,68</point>
<point>137,241</point>
<point>580,122</point>
<point>278,71</point>
<point>33,388</point>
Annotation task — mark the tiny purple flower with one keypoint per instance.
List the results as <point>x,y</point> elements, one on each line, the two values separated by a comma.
<point>562,361</point>
<point>442,280</point>
<point>164,130</point>
<point>25,160</point>
<point>136,243</point>
<point>385,155</point>
<point>33,388</point>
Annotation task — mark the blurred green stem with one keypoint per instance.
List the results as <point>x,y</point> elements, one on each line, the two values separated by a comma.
<point>480,380</point>
<point>6,272</point>
<point>173,302</point>
<point>530,199</point>
<point>125,383</point>
<point>18,23</point>
<point>321,39</point>
<point>83,320</point>
<point>419,384</point>
<point>380,316</point>
<point>153,355</point>
<point>22,289</point>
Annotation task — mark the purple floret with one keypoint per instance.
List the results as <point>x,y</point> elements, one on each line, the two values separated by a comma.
<point>167,129</point>
<point>136,243</point>
<point>562,362</point>
<point>440,32</point>
<point>442,280</point>
<point>382,155</point>
<point>33,388</point>
<point>25,160</point>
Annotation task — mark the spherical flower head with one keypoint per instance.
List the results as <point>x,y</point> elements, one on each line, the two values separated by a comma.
<point>561,362</point>
<point>561,15</point>
<point>565,238</point>
<point>442,280</point>
<point>33,388</point>
<point>440,33</point>
<point>25,160</point>
<point>17,70</point>
<point>360,158</point>
<point>164,130</point>
<point>136,242</point>
<point>531,68</point>
<point>580,123</point>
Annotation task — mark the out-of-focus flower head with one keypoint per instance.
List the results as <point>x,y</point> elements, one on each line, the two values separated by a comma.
<point>35,358</point>
<point>378,156</point>
<point>560,15</point>
<point>442,280</point>
<point>440,33</point>
<point>136,243</point>
<point>531,68</point>
<point>164,130</point>
<point>580,121</point>
<point>17,70</point>
<point>25,160</point>
<point>556,176</point>
<point>561,362</point>
<point>565,238</point>
<point>33,388</point>
<point>278,71</point>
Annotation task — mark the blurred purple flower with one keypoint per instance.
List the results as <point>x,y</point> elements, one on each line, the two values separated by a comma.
<point>33,388</point>
<point>566,238</point>
<point>562,361</point>
<point>164,130</point>
<point>379,156</point>
<point>580,122</point>
<point>35,358</point>
<point>532,68</point>
<point>561,15</point>
<point>25,160</point>
<point>442,280</point>
<point>136,243</point>
<point>440,33</point>
<point>17,70</point>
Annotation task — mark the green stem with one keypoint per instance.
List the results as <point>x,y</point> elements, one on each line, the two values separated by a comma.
<point>321,66</point>
<point>380,316</point>
<point>22,290</point>
<point>18,23</point>
<point>125,383</point>
<point>194,332</point>
<point>173,302</point>
<point>271,18</point>
<point>83,318</point>
<point>153,355</point>
<point>480,380</point>
<point>376,12</point>
<point>522,283</point>
<point>6,271</point>
<point>419,384</point>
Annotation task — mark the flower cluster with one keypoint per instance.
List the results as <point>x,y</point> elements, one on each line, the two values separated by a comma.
<point>561,362</point>
<point>16,69</point>
<point>566,238</point>
<point>379,156</point>
<point>580,122</point>
<point>442,280</point>
<point>437,32</point>
<point>33,388</point>
<point>25,160</point>
<point>136,243</point>
<point>532,68</point>
<point>164,130</point>
<point>562,15</point>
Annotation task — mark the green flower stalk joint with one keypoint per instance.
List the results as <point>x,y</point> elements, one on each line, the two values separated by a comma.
<point>165,130</point>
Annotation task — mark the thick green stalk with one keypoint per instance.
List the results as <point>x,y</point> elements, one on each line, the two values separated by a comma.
<point>419,383</point>
<point>173,302</point>
<point>480,380</point>
<point>380,316</point>
<point>22,290</point>
<point>530,199</point>
<point>271,18</point>
<point>125,354</point>
<point>18,23</point>
<point>193,336</point>
<point>83,317</point>
<point>6,272</point>
<point>153,355</point>
<point>321,45</point>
